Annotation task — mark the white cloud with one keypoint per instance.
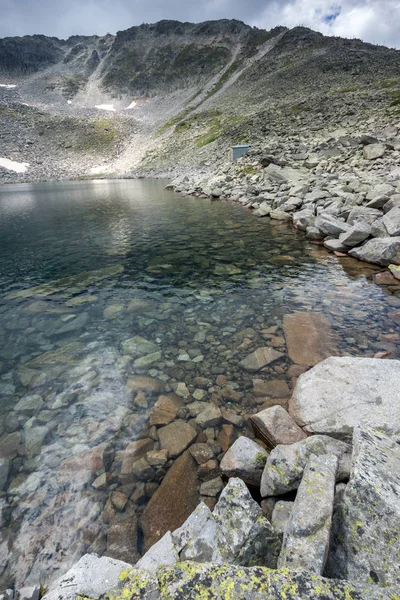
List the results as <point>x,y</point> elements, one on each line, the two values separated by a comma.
<point>375,21</point>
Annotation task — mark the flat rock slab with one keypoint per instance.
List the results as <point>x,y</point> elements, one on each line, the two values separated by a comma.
<point>190,581</point>
<point>306,540</point>
<point>244,459</point>
<point>366,533</point>
<point>173,502</point>
<point>342,392</point>
<point>285,465</point>
<point>275,426</point>
<point>91,577</point>
<point>260,358</point>
<point>67,286</point>
<point>309,338</point>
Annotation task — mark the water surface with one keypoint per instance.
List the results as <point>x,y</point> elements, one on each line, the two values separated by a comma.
<point>200,281</point>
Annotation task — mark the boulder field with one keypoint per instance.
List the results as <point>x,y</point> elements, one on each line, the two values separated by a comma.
<point>315,516</point>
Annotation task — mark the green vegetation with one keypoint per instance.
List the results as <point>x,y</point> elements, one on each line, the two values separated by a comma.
<point>97,136</point>
<point>9,113</point>
<point>386,84</point>
<point>72,85</point>
<point>355,88</point>
<point>395,95</point>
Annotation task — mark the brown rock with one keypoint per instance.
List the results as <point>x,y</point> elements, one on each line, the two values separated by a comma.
<point>208,470</point>
<point>176,437</point>
<point>296,371</point>
<point>260,358</point>
<point>173,502</point>
<point>226,436</point>
<point>277,388</point>
<point>309,338</point>
<point>142,470</point>
<point>275,426</point>
<point>232,417</point>
<point>119,501</point>
<point>122,540</point>
<point>165,410</point>
<point>142,383</point>
<point>157,458</point>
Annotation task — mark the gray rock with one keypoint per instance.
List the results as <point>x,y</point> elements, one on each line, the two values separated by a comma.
<point>244,459</point>
<point>306,540</point>
<point>284,175</point>
<point>381,251</point>
<point>34,439</point>
<point>366,533</point>
<point>212,487</point>
<point>303,219</point>
<point>189,581</point>
<point>358,233</point>
<point>393,202</point>
<point>382,189</point>
<point>29,593</point>
<point>164,552</point>
<point>207,546</point>
<point>139,346</point>
<point>281,515</point>
<point>193,525</point>
<point>285,465</point>
<point>378,229</point>
<point>73,325</point>
<point>362,213</point>
<point>335,245</point>
<point>246,532</point>
<point>391,221</point>
<point>28,405</point>
<point>373,151</point>
<point>330,225</point>
<point>209,417</point>
<point>341,392</point>
<point>91,577</point>
<point>4,471</point>
<point>260,358</point>
<point>274,426</point>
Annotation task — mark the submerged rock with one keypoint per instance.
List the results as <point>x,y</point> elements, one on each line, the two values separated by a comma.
<point>340,393</point>
<point>306,540</point>
<point>67,286</point>
<point>260,358</point>
<point>309,338</point>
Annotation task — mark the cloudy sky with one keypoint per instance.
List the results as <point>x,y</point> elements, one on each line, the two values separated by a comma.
<point>376,21</point>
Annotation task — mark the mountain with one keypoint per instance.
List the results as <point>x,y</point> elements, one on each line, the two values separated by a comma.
<point>170,95</point>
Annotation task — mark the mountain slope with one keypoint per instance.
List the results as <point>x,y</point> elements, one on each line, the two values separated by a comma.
<point>171,95</point>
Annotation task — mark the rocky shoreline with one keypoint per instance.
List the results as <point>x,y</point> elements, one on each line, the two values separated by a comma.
<point>328,476</point>
<point>345,194</point>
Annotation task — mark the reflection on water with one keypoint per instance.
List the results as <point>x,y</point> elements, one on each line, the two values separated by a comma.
<point>184,289</point>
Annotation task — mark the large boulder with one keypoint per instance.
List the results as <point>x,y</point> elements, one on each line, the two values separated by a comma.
<point>285,465</point>
<point>363,214</point>
<point>173,502</point>
<point>373,151</point>
<point>330,225</point>
<point>392,221</point>
<point>381,251</point>
<point>306,540</point>
<point>190,581</point>
<point>341,392</point>
<point>309,338</point>
<point>358,233</point>
<point>244,459</point>
<point>366,534</point>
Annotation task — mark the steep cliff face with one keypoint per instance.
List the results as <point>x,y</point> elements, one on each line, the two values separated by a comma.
<point>30,53</point>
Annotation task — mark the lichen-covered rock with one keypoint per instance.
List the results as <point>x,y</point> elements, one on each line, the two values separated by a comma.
<point>281,516</point>
<point>274,426</point>
<point>366,532</point>
<point>341,392</point>
<point>285,465</point>
<point>306,540</point>
<point>164,552</point>
<point>244,459</point>
<point>382,251</point>
<point>191,581</point>
<point>246,532</point>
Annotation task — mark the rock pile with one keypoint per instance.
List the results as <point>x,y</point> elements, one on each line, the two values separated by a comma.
<point>352,209</point>
<point>327,527</point>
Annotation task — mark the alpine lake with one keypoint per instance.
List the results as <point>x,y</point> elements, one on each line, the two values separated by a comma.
<point>125,307</point>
